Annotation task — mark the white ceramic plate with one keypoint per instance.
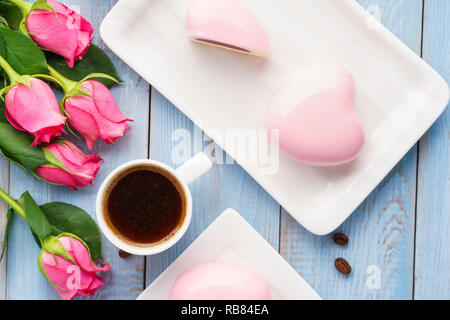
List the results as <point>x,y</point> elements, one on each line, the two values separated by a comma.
<point>398,95</point>
<point>231,239</point>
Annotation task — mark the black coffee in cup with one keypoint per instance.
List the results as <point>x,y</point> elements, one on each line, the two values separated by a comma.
<point>145,205</point>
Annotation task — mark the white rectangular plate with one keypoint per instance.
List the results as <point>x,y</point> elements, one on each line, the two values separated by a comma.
<point>231,239</point>
<point>398,95</point>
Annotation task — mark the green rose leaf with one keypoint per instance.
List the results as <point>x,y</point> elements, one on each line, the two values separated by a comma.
<point>15,145</point>
<point>11,13</point>
<point>3,76</point>
<point>36,219</point>
<point>3,52</point>
<point>3,22</point>
<point>66,218</point>
<point>95,61</point>
<point>9,219</point>
<point>2,81</point>
<point>22,54</point>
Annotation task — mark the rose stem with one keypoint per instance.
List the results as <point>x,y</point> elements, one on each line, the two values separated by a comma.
<point>12,203</point>
<point>12,75</point>
<point>65,83</point>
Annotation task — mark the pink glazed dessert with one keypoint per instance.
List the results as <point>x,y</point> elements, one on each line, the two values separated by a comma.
<point>315,118</point>
<point>220,281</point>
<point>226,24</point>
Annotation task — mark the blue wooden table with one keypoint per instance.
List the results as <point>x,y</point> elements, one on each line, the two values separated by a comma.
<point>399,237</point>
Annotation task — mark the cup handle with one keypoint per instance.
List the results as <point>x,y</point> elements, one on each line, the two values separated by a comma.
<point>194,168</point>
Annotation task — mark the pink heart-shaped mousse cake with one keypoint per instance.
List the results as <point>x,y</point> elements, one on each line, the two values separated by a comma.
<point>226,24</point>
<point>220,281</point>
<point>314,115</point>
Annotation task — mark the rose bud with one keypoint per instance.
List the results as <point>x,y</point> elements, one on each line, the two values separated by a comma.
<point>34,109</point>
<point>78,169</point>
<point>71,271</point>
<point>97,115</point>
<point>63,31</point>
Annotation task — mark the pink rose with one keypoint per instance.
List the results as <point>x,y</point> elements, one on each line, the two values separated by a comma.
<point>68,35</point>
<point>35,109</point>
<point>81,169</point>
<point>97,116</point>
<point>72,278</point>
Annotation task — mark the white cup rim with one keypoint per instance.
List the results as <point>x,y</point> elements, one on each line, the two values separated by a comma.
<point>142,250</point>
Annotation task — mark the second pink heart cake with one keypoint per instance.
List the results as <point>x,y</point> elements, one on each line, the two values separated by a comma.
<point>220,281</point>
<point>314,115</point>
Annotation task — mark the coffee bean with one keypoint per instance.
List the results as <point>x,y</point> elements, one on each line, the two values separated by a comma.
<point>342,266</point>
<point>340,239</point>
<point>124,254</point>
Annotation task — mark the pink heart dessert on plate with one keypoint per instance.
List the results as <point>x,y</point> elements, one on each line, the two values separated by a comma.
<point>315,118</point>
<point>226,24</point>
<point>220,281</point>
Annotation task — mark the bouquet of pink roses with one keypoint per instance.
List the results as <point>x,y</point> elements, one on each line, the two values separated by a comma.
<point>41,43</point>
<point>44,42</point>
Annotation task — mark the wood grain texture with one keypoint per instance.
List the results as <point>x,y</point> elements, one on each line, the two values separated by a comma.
<point>381,231</point>
<point>225,186</point>
<point>125,280</point>
<point>432,269</point>
<point>4,184</point>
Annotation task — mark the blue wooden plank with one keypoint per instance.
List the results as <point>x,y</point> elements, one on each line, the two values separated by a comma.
<point>381,231</point>
<point>223,187</point>
<point>4,184</point>
<point>125,280</point>
<point>433,201</point>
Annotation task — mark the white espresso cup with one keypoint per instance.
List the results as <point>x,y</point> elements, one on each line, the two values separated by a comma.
<point>186,174</point>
